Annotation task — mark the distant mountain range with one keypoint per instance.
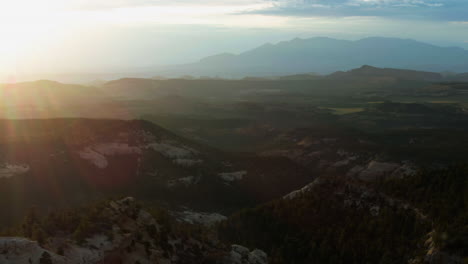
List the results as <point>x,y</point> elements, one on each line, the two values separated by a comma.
<point>326,55</point>
<point>295,59</point>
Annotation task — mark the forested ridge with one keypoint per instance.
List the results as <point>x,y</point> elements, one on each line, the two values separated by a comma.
<point>335,224</point>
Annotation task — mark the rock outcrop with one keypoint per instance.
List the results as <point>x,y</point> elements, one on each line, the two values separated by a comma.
<point>127,234</point>
<point>242,255</point>
<point>17,250</point>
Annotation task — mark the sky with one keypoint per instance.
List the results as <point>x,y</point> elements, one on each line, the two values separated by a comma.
<point>114,35</point>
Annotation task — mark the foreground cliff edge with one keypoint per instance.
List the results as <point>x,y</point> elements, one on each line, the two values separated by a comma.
<point>118,231</point>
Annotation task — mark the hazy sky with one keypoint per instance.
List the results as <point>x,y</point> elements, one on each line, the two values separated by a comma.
<point>100,35</point>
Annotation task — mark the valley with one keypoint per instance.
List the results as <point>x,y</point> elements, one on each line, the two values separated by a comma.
<point>364,166</point>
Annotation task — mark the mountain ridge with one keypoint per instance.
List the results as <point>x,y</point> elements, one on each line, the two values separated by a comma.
<point>326,55</point>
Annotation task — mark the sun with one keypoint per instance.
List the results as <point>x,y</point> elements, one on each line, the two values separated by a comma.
<point>25,26</point>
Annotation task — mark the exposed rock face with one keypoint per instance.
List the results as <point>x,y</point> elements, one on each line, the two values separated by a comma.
<point>16,250</point>
<point>343,155</point>
<point>9,170</point>
<point>242,255</point>
<point>97,154</point>
<point>232,176</point>
<point>128,235</point>
<point>200,218</point>
<point>309,187</point>
<point>375,170</point>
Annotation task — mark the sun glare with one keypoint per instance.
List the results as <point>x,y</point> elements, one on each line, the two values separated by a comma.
<point>24,27</point>
<point>35,32</point>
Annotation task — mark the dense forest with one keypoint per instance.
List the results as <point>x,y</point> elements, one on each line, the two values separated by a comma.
<point>335,224</point>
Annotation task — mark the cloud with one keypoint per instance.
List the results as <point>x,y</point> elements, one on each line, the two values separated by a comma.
<point>445,10</point>
<point>115,4</point>
<point>440,10</point>
<point>436,10</point>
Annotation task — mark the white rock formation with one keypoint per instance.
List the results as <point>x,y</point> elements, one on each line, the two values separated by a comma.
<point>304,189</point>
<point>94,157</point>
<point>8,170</point>
<point>128,235</point>
<point>242,255</point>
<point>201,218</point>
<point>232,176</point>
<point>187,162</point>
<point>172,151</point>
<point>15,250</point>
<point>98,154</point>
<point>377,169</point>
<point>185,181</point>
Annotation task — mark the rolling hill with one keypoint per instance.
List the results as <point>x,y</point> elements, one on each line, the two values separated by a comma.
<point>370,73</point>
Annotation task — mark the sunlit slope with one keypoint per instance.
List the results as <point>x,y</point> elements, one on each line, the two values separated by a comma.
<point>48,99</point>
<point>49,163</point>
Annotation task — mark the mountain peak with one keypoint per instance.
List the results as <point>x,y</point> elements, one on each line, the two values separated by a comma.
<point>326,55</point>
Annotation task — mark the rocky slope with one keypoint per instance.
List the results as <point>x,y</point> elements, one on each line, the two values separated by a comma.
<point>123,232</point>
<point>328,151</point>
<point>62,162</point>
